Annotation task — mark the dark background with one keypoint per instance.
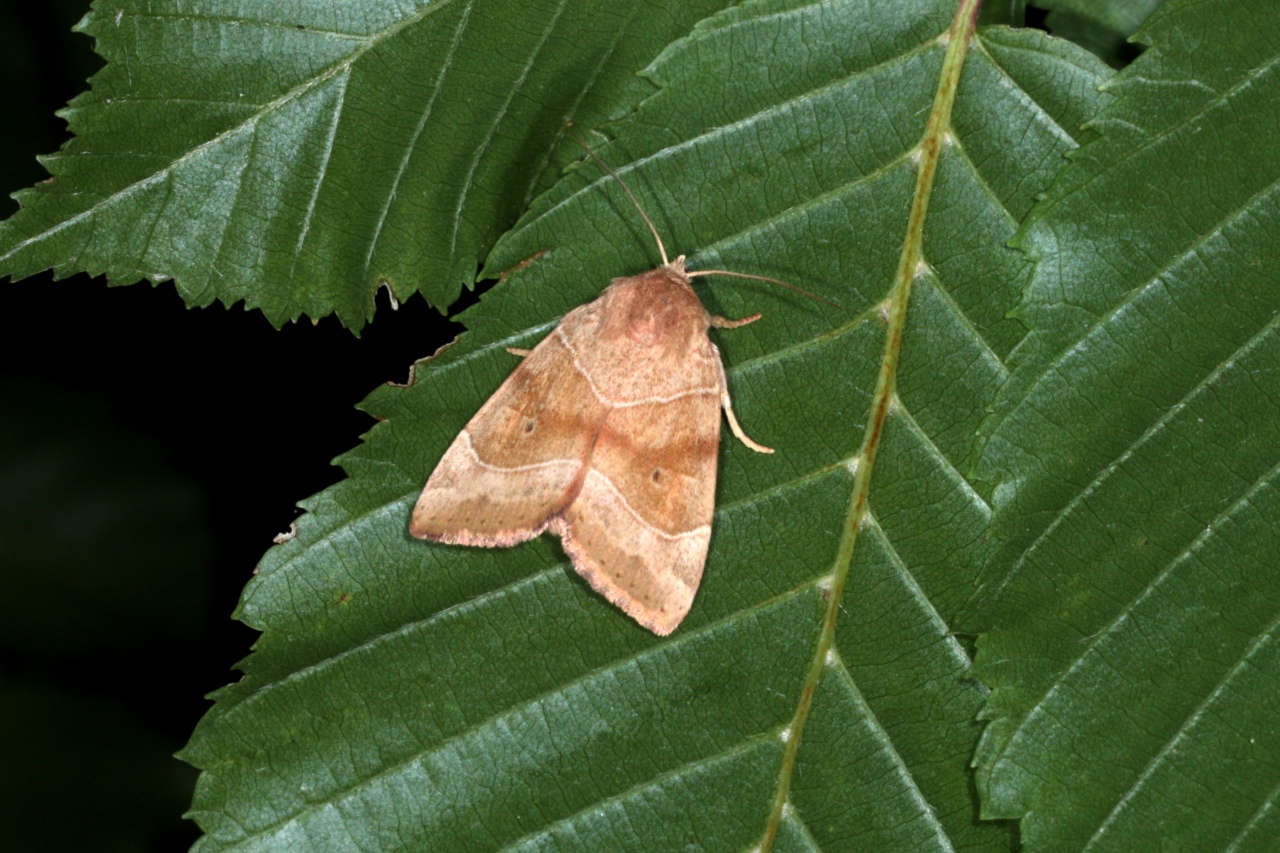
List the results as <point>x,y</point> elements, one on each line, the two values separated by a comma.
<point>148,455</point>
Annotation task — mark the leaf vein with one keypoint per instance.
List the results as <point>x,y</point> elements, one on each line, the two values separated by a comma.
<point>1134,151</point>
<point>296,92</point>
<point>218,252</point>
<point>901,770</point>
<point>499,718</point>
<point>499,116</point>
<point>1170,749</point>
<point>237,21</point>
<point>344,81</point>
<point>909,582</point>
<point>1094,642</point>
<point>741,747</point>
<point>463,20</point>
<point>1268,803</point>
<point>1148,434</point>
<point>1049,121</point>
<point>744,123</point>
<point>952,472</point>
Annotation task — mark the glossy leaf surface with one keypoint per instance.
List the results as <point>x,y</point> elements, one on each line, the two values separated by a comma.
<point>486,699</point>
<point>1132,601</point>
<point>298,155</point>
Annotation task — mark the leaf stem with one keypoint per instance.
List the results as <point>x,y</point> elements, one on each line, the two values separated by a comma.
<point>910,264</point>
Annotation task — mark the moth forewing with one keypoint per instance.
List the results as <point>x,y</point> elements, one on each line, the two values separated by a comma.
<point>606,434</point>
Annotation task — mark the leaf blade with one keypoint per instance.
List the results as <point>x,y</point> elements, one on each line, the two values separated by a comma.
<point>1133,459</point>
<point>802,380</point>
<point>299,157</point>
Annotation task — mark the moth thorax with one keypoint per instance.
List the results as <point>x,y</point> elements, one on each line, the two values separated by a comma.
<point>661,309</point>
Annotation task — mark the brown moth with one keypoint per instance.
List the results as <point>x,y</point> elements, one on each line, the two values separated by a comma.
<point>606,435</point>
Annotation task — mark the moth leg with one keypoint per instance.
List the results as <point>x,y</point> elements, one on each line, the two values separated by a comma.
<point>520,351</point>
<point>737,428</point>
<point>727,404</point>
<point>726,323</point>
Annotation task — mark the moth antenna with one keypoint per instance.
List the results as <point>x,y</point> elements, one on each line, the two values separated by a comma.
<point>603,165</point>
<point>776,281</point>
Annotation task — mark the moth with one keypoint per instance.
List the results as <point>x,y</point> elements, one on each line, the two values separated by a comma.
<point>606,435</point>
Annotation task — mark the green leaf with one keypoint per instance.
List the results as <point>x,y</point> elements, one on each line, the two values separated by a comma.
<point>297,156</point>
<point>1132,601</point>
<point>410,695</point>
<point>1102,26</point>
